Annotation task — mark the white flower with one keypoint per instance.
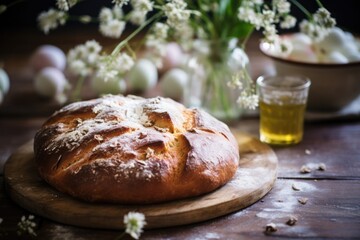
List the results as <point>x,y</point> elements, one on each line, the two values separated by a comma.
<point>120,3</point>
<point>248,14</point>
<point>235,82</point>
<point>62,5</point>
<point>111,23</point>
<point>258,2</point>
<point>323,19</point>
<point>85,19</point>
<point>270,33</point>
<point>142,5</point>
<point>288,22</point>
<point>79,67</point>
<point>82,59</point>
<point>282,6</point>
<point>93,46</point>
<point>160,30</point>
<point>157,48</point>
<point>314,31</point>
<point>124,63</point>
<point>176,13</point>
<point>51,19</point>
<point>134,223</point>
<point>268,17</point>
<point>105,14</point>
<point>65,5</point>
<point>27,225</point>
<point>113,28</point>
<point>249,101</point>
<point>137,17</point>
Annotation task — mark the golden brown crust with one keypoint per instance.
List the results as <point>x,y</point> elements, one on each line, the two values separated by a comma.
<point>134,150</point>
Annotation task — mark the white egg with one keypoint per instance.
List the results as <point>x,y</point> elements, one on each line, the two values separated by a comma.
<point>143,75</point>
<point>303,54</point>
<point>300,39</point>
<point>4,82</point>
<point>111,86</point>
<point>353,57</point>
<point>50,82</point>
<point>173,83</point>
<point>335,57</point>
<point>47,56</point>
<point>173,57</point>
<point>333,40</point>
<point>350,51</point>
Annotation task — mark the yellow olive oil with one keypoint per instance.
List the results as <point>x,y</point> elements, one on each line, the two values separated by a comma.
<point>281,124</point>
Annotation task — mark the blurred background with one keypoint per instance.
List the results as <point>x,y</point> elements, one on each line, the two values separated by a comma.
<point>24,14</point>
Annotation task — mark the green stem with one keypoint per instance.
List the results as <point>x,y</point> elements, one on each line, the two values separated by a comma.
<point>133,34</point>
<point>15,2</point>
<point>120,236</point>
<point>302,8</point>
<point>319,3</point>
<point>77,91</point>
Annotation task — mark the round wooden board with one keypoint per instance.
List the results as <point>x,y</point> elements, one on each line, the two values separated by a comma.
<point>255,177</point>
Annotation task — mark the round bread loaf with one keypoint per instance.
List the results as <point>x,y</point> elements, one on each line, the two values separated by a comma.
<point>134,150</point>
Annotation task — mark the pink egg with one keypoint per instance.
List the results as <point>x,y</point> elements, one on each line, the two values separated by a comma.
<point>173,57</point>
<point>47,56</point>
<point>50,82</point>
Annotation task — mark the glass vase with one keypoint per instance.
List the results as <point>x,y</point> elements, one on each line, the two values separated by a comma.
<point>212,67</point>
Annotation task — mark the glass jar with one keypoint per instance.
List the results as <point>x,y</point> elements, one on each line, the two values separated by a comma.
<point>212,67</point>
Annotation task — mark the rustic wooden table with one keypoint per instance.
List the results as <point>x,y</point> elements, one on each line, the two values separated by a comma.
<point>332,210</point>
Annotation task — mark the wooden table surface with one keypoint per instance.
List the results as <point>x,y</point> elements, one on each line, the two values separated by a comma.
<point>331,212</point>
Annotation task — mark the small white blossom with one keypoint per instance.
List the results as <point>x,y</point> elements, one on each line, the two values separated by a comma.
<point>65,5</point>
<point>113,28</point>
<point>314,31</point>
<point>62,5</point>
<point>82,59</point>
<point>176,13</point>
<point>323,19</point>
<point>248,14</point>
<point>270,33</point>
<point>160,30</point>
<point>137,17</point>
<point>142,5</point>
<point>124,63</point>
<point>93,46</point>
<point>27,225</point>
<point>268,17</point>
<point>249,101</point>
<point>105,15</point>
<point>235,82</point>
<point>288,22</point>
<point>120,3</point>
<point>85,19</point>
<point>157,48</point>
<point>184,33</point>
<point>282,6</point>
<point>111,23</point>
<point>117,13</point>
<point>51,19</point>
<point>134,223</point>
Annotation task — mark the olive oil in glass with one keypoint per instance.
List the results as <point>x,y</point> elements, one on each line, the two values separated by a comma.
<point>281,124</point>
<point>282,104</point>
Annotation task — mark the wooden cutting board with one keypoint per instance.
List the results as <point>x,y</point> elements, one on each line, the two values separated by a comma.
<point>254,178</point>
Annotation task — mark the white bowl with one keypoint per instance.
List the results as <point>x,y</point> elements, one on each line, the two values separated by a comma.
<point>333,86</point>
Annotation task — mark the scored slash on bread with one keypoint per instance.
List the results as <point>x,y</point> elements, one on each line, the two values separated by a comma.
<point>134,150</point>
